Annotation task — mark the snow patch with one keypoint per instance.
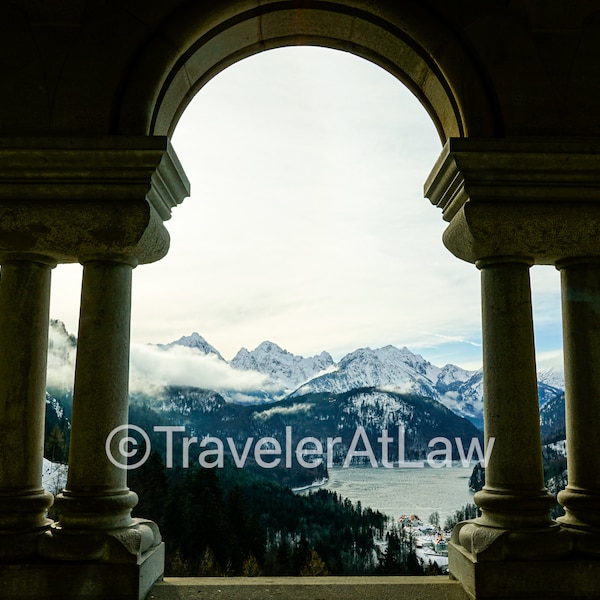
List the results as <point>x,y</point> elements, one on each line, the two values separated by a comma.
<point>294,409</point>
<point>54,476</point>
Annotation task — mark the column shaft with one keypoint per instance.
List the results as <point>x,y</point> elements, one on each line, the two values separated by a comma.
<point>95,508</point>
<point>581,332</point>
<point>24,321</point>
<point>514,494</point>
<point>97,487</point>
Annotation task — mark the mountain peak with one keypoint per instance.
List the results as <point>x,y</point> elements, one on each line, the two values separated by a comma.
<point>280,365</point>
<point>270,347</point>
<point>196,341</point>
<point>388,368</point>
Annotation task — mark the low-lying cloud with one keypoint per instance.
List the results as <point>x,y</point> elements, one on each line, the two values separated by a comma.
<point>61,358</point>
<point>153,368</point>
<point>179,365</point>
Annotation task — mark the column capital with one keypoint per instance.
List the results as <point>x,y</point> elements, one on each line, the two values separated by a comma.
<point>555,170</point>
<point>70,198</point>
<point>103,168</point>
<point>519,197</point>
<point>19,257</point>
<point>512,259</point>
<point>533,232</point>
<point>579,262</point>
<point>131,261</point>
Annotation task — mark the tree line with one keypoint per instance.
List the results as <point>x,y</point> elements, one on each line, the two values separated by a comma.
<point>233,522</point>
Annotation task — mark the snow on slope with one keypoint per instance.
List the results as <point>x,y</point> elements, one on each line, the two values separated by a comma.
<point>195,341</point>
<point>389,368</point>
<point>553,377</point>
<point>54,476</point>
<point>400,370</point>
<point>282,366</point>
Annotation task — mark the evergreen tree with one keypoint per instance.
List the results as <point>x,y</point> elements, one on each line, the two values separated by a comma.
<point>301,554</point>
<point>208,566</point>
<point>251,567</point>
<point>434,519</point>
<point>177,566</point>
<point>314,566</point>
<point>56,445</point>
<point>283,556</point>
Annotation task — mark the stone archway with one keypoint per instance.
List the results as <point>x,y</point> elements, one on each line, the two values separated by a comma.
<point>88,175</point>
<point>420,51</point>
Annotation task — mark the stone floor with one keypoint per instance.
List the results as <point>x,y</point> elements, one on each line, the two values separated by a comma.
<point>308,588</point>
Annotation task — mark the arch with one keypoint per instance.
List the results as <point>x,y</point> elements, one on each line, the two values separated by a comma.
<point>409,42</point>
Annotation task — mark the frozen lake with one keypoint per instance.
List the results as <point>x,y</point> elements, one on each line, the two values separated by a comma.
<point>401,491</point>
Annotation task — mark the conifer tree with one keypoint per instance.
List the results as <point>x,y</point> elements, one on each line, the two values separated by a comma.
<point>314,566</point>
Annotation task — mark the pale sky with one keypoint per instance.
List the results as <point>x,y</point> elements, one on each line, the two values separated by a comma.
<point>307,224</point>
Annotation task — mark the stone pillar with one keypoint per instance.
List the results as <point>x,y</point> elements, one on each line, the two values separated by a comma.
<point>515,522</point>
<point>101,202</point>
<point>511,204</point>
<point>514,496</point>
<point>24,321</point>
<point>490,554</point>
<point>580,279</point>
<point>95,507</point>
<point>96,495</point>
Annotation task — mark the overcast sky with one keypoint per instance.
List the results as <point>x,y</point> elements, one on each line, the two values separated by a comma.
<point>307,224</point>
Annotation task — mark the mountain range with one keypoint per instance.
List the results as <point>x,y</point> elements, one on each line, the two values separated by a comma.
<point>376,388</point>
<point>387,369</point>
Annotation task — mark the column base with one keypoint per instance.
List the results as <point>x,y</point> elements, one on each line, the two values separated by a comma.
<point>581,519</point>
<point>114,546</point>
<point>585,539</point>
<point>492,544</point>
<point>21,545</point>
<point>50,580</point>
<point>23,523</point>
<point>576,579</point>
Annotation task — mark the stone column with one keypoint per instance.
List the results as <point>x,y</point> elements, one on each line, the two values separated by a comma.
<point>515,505</point>
<point>95,507</point>
<point>99,400</point>
<point>511,204</point>
<point>514,496</point>
<point>580,279</point>
<point>24,321</point>
<point>100,201</point>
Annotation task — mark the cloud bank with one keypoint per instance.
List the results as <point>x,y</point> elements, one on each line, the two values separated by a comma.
<point>153,368</point>
<point>183,366</point>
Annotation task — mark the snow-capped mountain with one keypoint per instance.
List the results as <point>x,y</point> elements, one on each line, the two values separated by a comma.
<point>452,377</point>
<point>464,395</point>
<point>401,371</point>
<point>390,368</point>
<point>195,341</point>
<point>554,377</point>
<point>324,416</point>
<point>282,367</point>
<point>270,374</point>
